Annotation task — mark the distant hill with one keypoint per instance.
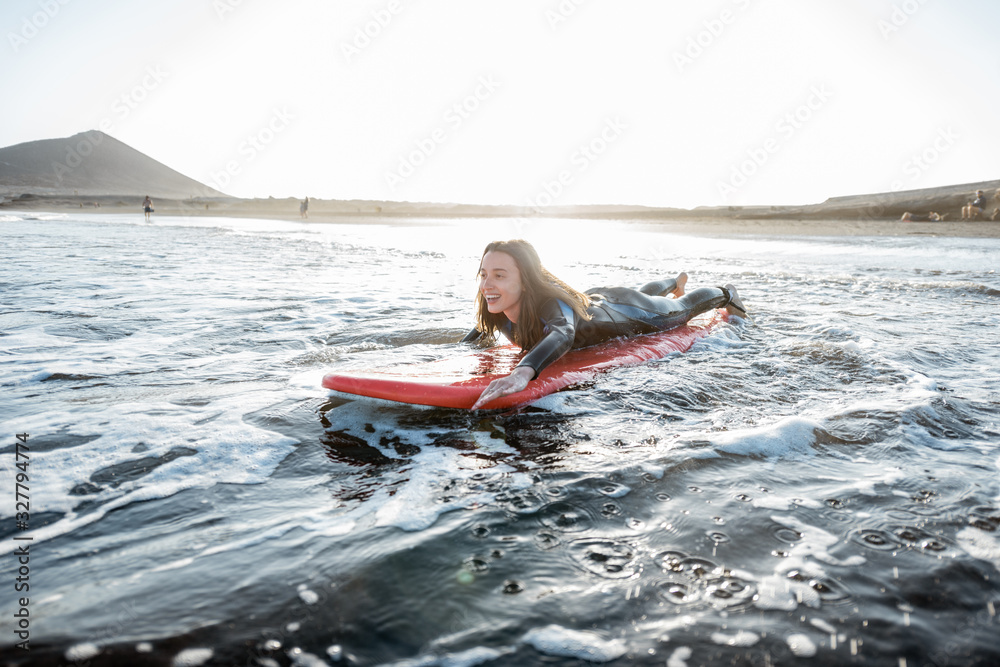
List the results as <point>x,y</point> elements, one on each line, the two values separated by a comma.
<point>91,164</point>
<point>945,199</point>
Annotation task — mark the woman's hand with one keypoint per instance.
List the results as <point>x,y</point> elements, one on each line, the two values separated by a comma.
<point>511,384</point>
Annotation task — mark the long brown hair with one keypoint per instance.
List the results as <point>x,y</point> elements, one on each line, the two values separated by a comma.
<point>539,286</point>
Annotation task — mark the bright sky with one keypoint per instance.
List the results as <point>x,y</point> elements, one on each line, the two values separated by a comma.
<point>520,101</point>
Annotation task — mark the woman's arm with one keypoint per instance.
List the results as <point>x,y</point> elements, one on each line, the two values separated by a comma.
<point>560,329</point>
<point>509,384</point>
<point>472,336</point>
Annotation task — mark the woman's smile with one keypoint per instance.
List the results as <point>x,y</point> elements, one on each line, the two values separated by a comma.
<point>500,284</point>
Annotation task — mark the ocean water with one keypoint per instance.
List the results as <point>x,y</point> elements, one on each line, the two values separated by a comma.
<point>817,486</point>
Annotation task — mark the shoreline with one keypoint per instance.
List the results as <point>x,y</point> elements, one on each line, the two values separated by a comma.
<point>670,221</point>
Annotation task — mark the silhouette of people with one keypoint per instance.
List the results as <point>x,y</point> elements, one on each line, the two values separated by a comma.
<point>304,208</point>
<point>147,207</point>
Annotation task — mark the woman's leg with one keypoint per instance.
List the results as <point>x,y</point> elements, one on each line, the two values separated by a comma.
<point>703,299</point>
<point>660,313</point>
<point>735,305</point>
<point>674,286</point>
<point>637,312</point>
<point>706,298</point>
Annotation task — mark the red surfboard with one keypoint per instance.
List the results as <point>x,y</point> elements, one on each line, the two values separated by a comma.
<point>457,382</point>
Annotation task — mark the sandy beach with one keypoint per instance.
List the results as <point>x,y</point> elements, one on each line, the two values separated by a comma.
<point>710,221</point>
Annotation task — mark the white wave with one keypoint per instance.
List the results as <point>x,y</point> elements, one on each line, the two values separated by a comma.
<point>655,470</point>
<point>232,452</point>
<point>467,658</point>
<point>815,542</point>
<point>679,657</point>
<point>888,477</point>
<point>46,216</point>
<point>412,504</point>
<point>789,437</point>
<point>82,652</point>
<point>558,641</point>
<point>980,544</point>
<point>801,645</point>
<point>742,638</point>
<point>780,501</point>
<point>192,657</point>
<point>412,507</point>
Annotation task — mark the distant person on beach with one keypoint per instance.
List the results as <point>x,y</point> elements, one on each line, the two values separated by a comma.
<point>532,308</point>
<point>980,200</point>
<point>919,217</point>
<point>304,208</point>
<point>147,207</point>
<point>975,208</point>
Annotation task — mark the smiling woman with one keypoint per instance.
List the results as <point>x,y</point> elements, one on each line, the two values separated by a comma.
<point>500,284</point>
<point>521,299</point>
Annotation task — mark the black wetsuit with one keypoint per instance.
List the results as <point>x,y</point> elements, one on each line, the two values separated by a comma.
<point>615,312</point>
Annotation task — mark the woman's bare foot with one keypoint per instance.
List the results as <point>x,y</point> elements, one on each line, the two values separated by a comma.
<point>681,280</point>
<point>735,305</point>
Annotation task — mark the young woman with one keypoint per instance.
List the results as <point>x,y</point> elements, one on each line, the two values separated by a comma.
<point>532,308</point>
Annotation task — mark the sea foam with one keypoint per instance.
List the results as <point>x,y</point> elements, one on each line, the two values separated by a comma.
<point>556,640</point>
<point>793,436</point>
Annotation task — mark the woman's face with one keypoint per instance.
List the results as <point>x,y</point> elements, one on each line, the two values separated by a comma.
<point>500,284</point>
